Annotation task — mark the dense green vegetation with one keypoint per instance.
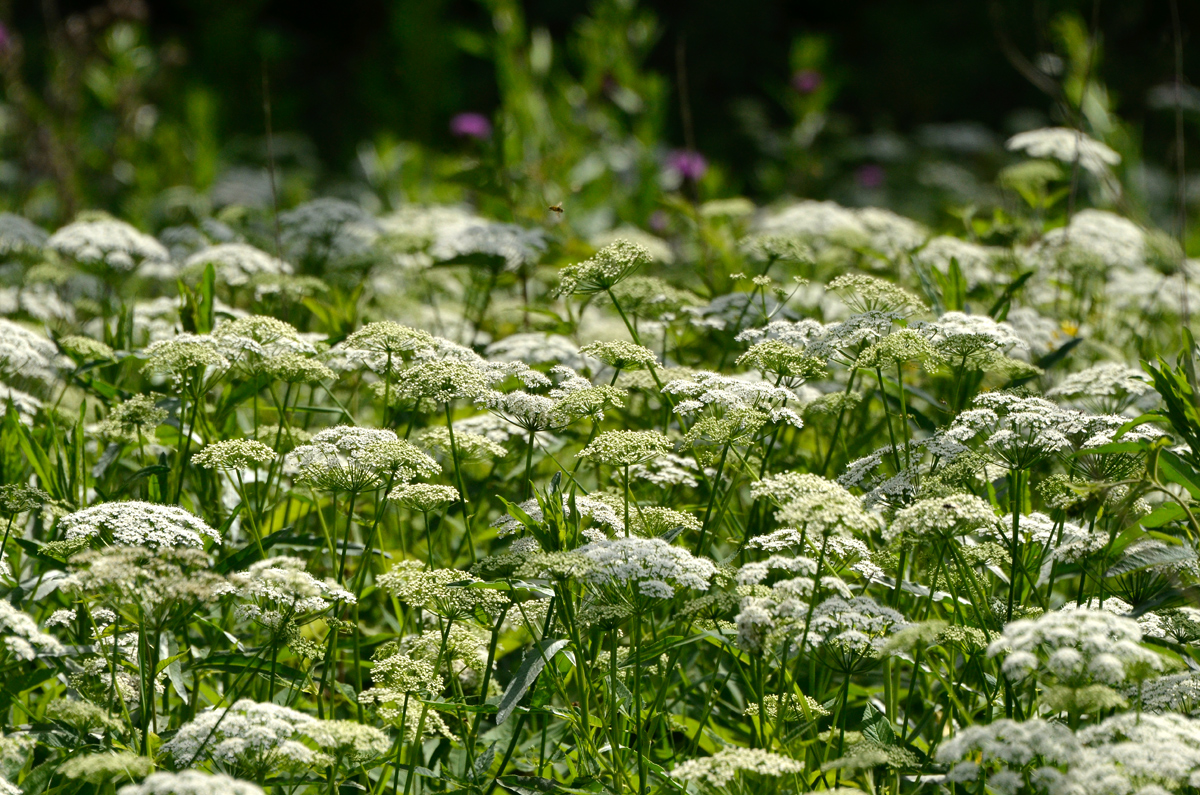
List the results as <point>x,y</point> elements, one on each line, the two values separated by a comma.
<point>555,458</point>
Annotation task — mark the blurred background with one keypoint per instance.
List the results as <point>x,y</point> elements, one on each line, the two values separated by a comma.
<point>159,111</point>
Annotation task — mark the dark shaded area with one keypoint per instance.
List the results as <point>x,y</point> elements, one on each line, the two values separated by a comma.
<point>345,72</point>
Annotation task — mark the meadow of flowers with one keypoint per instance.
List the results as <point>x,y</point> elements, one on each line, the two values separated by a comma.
<point>779,498</point>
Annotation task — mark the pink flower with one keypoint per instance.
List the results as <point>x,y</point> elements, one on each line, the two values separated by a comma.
<point>690,164</point>
<point>870,176</point>
<point>806,81</point>
<point>471,125</point>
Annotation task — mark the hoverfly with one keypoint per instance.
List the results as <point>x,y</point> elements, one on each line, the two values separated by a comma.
<point>556,208</point>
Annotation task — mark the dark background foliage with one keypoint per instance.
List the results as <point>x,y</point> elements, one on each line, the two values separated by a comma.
<point>343,72</point>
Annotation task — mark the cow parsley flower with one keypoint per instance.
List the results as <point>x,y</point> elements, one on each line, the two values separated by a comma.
<point>423,496</point>
<point>183,353</point>
<point>98,769</point>
<point>236,264</point>
<point>707,389</point>
<point>21,637</point>
<point>820,223</point>
<point>651,566</point>
<point>384,344</point>
<point>853,628</point>
<point>27,355</point>
<point>864,293</point>
<point>1107,388</point>
<point>514,245</point>
<point>1066,145</point>
<point>994,749</point>
<point>818,506</point>
<point>621,355</point>
<point>608,268</point>
<point>234,455</point>
<point>330,232</point>
<point>107,243</point>
<point>135,523</point>
<point>942,517</point>
<point>904,345</point>
<point>977,263</point>
<point>351,458</point>
<point>782,359</point>
<point>278,591</point>
<point>20,237</point>
<point>1075,648</point>
<point>347,740</point>
<point>1015,431</point>
<point>961,337</point>
<point>1094,237</point>
<point>446,591</point>
<point>724,766</point>
<point>191,782</point>
<point>471,446</point>
<point>155,580</point>
<point>248,737</point>
<point>623,448</point>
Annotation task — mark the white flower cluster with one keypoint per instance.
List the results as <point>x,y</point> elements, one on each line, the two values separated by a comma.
<point>651,566</point>
<point>353,458</point>
<point>21,637</point>
<point>261,738</point>
<point>237,264</point>
<point>279,588</point>
<point>27,355</point>
<point>191,782</point>
<point>1067,146</point>
<point>816,505</point>
<point>1076,648</point>
<point>109,243</point>
<point>135,523</point>
<point>724,766</point>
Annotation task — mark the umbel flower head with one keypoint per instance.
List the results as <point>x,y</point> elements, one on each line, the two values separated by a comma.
<point>132,420</point>
<point>107,243</point>
<point>278,591</point>
<point>184,353</point>
<point>650,566</point>
<point>252,342</point>
<point>27,355</point>
<point>248,738</point>
<point>623,448</point>
<point>1066,145</point>
<point>353,459</point>
<point>423,496</point>
<point>815,505</point>
<point>20,636</point>
<point>445,591</point>
<point>154,580</point>
<point>724,766</point>
<point>233,455</point>
<point>943,517</point>
<point>384,344</point>
<point>864,293</point>
<point>135,523</point>
<point>608,268</point>
<point>778,357</point>
<point>236,264</point>
<point>1107,388</point>
<point>621,355</point>
<point>904,345</point>
<point>1076,648</point>
<point>191,782</point>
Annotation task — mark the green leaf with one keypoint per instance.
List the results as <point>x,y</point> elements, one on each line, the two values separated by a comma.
<point>1152,555</point>
<point>15,685</point>
<point>535,660</point>
<point>1176,470</point>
